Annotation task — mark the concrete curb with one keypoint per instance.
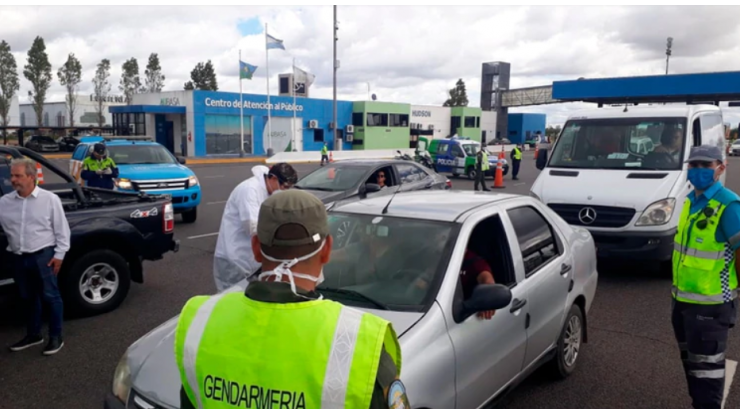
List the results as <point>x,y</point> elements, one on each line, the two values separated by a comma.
<point>194,162</point>
<point>57,156</point>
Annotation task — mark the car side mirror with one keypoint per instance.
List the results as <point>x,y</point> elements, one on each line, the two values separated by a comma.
<point>541,159</point>
<point>182,160</point>
<point>487,297</point>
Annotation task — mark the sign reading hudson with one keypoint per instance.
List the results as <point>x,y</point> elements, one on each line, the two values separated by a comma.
<point>224,103</point>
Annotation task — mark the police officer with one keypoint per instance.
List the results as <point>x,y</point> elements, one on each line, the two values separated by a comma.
<point>98,169</point>
<point>279,344</point>
<point>516,161</point>
<point>481,168</point>
<point>705,276</point>
<point>324,154</point>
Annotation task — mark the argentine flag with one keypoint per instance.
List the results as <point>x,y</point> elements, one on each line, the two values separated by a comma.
<point>273,43</point>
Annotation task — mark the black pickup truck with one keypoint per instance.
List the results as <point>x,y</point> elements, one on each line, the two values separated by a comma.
<point>112,233</point>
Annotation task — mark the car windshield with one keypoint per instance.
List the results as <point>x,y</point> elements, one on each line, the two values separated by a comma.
<point>333,178</point>
<point>395,263</point>
<point>621,143</point>
<point>471,149</point>
<point>140,154</point>
<point>46,140</point>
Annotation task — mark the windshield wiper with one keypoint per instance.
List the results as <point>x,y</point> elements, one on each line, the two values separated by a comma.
<point>351,293</point>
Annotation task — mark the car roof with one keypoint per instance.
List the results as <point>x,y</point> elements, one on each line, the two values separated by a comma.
<point>439,205</point>
<point>116,141</point>
<point>366,162</point>
<point>642,111</point>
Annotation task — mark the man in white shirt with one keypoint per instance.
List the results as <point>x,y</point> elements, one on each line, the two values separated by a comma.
<point>38,237</point>
<point>233,259</point>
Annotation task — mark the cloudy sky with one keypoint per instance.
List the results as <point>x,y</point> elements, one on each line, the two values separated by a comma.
<point>407,54</point>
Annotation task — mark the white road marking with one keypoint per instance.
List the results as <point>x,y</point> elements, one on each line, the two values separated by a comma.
<point>213,177</point>
<point>216,203</point>
<point>203,236</point>
<point>730,368</point>
<point>519,184</point>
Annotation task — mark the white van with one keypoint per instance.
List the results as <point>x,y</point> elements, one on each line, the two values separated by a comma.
<point>628,196</point>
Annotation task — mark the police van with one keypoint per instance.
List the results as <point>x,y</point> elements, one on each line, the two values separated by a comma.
<point>145,166</point>
<point>604,176</point>
<point>457,156</point>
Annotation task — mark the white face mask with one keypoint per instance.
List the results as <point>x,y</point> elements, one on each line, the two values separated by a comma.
<point>284,269</point>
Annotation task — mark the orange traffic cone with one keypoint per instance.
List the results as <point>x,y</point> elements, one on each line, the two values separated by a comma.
<point>39,174</point>
<point>331,157</point>
<point>502,154</point>
<point>498,182</point>
<point>536,151</point>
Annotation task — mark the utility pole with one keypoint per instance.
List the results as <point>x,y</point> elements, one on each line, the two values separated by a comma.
<point>668,46</point>
<point>334,103</point>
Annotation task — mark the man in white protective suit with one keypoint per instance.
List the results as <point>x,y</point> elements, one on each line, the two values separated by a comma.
<point>233,259</point>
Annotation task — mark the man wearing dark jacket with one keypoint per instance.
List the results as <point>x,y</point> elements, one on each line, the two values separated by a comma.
<point>99,170</point>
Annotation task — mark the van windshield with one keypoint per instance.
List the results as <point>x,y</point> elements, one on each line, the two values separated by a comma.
<point>621,143</point>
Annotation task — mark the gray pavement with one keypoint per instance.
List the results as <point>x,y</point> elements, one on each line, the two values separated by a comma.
<point>631,360</point>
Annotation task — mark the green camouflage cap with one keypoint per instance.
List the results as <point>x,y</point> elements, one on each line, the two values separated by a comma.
<point>292,206</point>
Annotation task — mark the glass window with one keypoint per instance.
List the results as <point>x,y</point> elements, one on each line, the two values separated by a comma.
<point>23,119</point>
<point>712,130</point>
<point>223,134</point>
<point>357,119</point>
<point>621,143</point>
<point>454,125</point>
<point>442,149</point>
<point>333,178</point>
<point>469,122</point>
<point>477,122</point>
<point>457,151</point>
<point>140,154</point>
<point>399,120</point>
<point>410,173</point>
<point>46,119</point>
<point>80,152</point>
<point>377,120</point>
<point>60,119</point>
<point>395,262</point>
<point>471,149</point>
<point>536,239</point>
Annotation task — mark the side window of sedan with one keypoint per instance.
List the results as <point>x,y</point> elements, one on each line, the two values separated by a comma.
<point>536,238</point>
<point>410,173</point>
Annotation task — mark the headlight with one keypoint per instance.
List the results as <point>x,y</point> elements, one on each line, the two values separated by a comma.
<point>192,181</point>
<point>125,184</point>
<point>659,213</point>
<point>122,379</point>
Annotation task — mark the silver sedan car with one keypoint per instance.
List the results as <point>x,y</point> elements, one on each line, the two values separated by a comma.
<point>414,260</point>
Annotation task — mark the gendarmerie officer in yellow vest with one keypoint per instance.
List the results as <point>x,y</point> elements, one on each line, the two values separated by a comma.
<point>705,276</point>
<point>99,170</point>
<point>481,168</point>
<point>279,344</point>
<point>324,154</point>
<point>516,161</point>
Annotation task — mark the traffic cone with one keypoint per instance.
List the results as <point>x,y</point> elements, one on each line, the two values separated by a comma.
<point>536,151</point>
<point>39,174</point>
<point>331,157</point>
<point>498,182</point>
<point>502,154</point>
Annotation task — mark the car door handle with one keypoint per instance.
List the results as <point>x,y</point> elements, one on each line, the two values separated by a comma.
<point>565,268</point>
<point>517,305</point>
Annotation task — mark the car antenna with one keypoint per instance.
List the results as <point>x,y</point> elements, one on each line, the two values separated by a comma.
<point>385,209</point>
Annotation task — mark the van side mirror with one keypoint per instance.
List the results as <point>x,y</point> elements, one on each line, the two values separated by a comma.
<point>541,159</point>
<point>487,297</point>
<point>181,160</point>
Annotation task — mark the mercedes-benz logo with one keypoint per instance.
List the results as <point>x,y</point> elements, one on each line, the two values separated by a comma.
<point>587,215</point>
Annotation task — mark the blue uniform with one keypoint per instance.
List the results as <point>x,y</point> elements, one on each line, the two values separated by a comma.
<point>729,224</point>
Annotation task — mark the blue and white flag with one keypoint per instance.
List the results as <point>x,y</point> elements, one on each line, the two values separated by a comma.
<point>273,43</point>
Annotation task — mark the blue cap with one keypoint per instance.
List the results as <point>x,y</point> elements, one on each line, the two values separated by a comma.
<point>705,153</point>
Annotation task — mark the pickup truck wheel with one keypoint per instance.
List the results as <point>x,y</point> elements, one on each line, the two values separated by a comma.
<point>190,216</point>
<point>96,283</point>
<point>471,173</point>
<point>569,344</point>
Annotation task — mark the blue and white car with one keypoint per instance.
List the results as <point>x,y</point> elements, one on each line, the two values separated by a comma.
<point>145,166</point>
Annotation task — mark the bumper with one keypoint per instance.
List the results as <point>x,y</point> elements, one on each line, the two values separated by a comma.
<point>182,200</point>
<point>652,246</point>
<point>111,402</point>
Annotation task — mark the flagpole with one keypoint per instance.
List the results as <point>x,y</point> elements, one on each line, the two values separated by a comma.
<point>294,107</point>
<point>267,70</point>
<point>241,108</point>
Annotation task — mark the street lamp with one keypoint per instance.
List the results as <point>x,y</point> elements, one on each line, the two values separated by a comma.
<point>668,46</point>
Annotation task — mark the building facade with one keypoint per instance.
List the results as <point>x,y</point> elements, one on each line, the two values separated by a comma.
<point>524,127</point>
<point>56,114</point>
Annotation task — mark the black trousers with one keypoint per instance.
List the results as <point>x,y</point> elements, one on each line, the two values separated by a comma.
<point>480,177</point>
<point>515,168</point>
<point>324,157</point>
<point>701,332</point>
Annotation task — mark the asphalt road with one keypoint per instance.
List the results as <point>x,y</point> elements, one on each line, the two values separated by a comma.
<point>631,360</point>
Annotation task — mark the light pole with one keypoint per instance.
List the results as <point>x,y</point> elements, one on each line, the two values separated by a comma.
<point>668,46</point>
<point>334,103</point>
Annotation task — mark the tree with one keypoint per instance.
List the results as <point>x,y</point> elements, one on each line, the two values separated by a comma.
<point>154,80</point>
<point>70,76</point>
<point>130,80</point>
<point>458,95</point>
<point>101,89</point>
<point>38,72</point>
<point>203,77</point>
<point>9,84</point>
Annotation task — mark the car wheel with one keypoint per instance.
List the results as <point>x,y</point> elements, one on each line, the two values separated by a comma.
<point>96,283</point>
<point>569,344</point>
<point>190,216</point>
<point>471,173</point>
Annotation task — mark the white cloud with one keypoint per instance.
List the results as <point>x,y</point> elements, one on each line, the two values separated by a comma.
<point>407,54</point>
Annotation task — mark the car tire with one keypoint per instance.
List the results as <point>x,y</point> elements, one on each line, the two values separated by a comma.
<point>564,362</point>
<point>190,216</point>
<point>76,284</point>
<point>471,173</point>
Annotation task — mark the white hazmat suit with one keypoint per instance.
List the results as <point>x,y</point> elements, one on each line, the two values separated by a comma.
<point>233,260</point>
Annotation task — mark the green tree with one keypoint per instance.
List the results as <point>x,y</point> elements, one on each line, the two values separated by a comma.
<point>130,80</point>
<point>38,72</point>
<point>70,76</point>
<point>202,77</point>
<point>153,77</point>
<point>458,96</point>
<point>9,84</point>
<point>101,89</point>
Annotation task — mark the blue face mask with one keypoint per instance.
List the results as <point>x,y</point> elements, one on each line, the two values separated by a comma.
<point>701,178</point>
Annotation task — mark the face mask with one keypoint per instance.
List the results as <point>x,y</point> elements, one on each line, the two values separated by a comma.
<point>284,270</point>
<point>702,177</point>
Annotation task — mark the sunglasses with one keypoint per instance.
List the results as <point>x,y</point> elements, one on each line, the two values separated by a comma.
<point>708,212</point>
<point>381,176</point>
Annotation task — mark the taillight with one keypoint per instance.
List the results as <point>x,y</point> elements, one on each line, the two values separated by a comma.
<point>168,219</point>
<point>449,184</point>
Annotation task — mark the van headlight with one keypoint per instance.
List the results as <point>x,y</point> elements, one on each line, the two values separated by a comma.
<point>122,379</point>
<point>192,181</point>
<point>659,213</point>
<point>124,184</point>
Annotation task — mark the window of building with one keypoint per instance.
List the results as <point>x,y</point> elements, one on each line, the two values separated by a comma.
<point>60,119</point>
<point>46,119</point>
<point>23,119</point>
<point>130,124</point>
<point>284,85</point>
<point>377,120</point>
<point>318,135</point>
<point>357,119</point>
<point>223,134</point>
<point>399,120</point>
<point>536,239</point>
<point>469,122</point>
<point>477,122</point>
<point>455,125</point>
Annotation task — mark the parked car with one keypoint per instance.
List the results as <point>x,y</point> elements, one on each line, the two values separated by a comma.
<point>546,279</point>
<point>356,179</point>
<point>42,144</point>
<point>146,166</point>
<point>111,234</point>
<point>735,148</point>
<point>67,143</point>
<point>457,156</point>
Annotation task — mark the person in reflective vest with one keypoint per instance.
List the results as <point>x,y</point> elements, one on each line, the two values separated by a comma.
<point>481,168</point>
<point>324,154</point>
<point>280,344</point>
<point>99,170</point>
<point>705,276</point>
<point>516,161</point>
